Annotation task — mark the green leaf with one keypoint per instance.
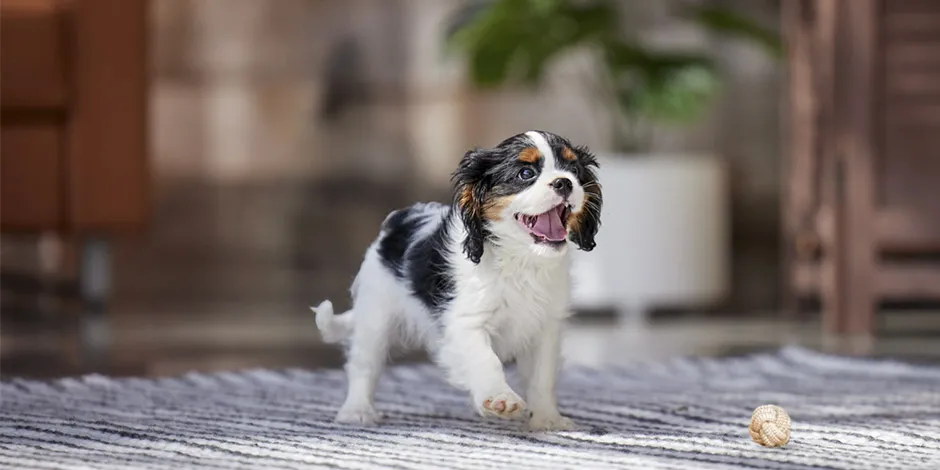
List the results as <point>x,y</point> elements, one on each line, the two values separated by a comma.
<point>490,63</point>
<point>464,16</point>
<point>661,86</point>
<point>678,96</point>
<point>517,40</point>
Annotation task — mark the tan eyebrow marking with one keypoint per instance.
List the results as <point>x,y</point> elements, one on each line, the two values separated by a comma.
<point>569,154</point>
<point>530,155</point>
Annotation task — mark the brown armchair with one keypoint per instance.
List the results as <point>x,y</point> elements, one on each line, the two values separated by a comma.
<point>73,140</point>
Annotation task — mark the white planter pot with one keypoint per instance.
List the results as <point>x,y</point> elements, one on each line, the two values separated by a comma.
<point>664,236</point>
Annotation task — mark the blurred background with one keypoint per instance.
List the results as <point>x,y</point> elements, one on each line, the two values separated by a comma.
<point>181,179</point>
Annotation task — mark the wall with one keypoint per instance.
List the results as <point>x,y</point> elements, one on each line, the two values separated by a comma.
<point>248,92</point>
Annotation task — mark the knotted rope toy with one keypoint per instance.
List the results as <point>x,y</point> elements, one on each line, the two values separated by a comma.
<point>770,426</point>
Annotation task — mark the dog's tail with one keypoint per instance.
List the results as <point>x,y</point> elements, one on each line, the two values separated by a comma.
<point>333,328</point>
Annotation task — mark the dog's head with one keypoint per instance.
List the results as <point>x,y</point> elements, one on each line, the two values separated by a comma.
<point>534,191</point>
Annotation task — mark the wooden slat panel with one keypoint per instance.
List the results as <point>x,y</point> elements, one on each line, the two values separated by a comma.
<point>858,72</point>
<point>912,54</point>
<point>920,84</point>
<point>915,117</point>
<point>907,282</point>
<point>900,231</point>
<point>912,47</point>
<point>902,25</point>
<point>912,170</point>
<point>831,292</point>
<point>896,230</point>
<point>909,6</point>
<point>30,176</point>
<point>802,103</point>
<point>108,164</point>
<point>32,55</point>
<point>910,165</point>
<point>893,281</point>
<point>878,160</point>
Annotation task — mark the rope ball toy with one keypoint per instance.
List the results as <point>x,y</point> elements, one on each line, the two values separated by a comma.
<point>770,426</point>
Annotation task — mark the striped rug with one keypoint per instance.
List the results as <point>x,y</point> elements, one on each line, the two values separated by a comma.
<point>681,414</point>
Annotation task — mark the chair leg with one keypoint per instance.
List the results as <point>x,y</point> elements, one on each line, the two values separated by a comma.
<point>832,295</point>
<point>95,287</point>
<point>50,252</point>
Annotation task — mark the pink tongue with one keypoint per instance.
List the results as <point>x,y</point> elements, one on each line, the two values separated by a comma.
<point>550,226</point>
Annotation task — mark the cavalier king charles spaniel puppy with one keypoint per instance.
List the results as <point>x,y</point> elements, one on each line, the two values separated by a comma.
<point>479,282</point>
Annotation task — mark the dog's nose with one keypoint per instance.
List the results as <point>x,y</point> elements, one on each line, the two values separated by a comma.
<point>562,186</point>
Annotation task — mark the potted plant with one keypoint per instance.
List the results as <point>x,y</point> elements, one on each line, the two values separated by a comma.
<point>665,237</point>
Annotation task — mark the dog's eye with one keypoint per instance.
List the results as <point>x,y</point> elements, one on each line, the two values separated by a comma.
<point>526,173</point>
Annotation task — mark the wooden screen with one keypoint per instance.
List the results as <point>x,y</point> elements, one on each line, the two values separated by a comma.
<point>862,187</point>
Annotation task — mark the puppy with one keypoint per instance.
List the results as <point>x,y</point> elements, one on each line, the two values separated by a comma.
<point>479,282</point>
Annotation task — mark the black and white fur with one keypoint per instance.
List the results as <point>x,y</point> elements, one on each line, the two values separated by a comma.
<point>471,284</point>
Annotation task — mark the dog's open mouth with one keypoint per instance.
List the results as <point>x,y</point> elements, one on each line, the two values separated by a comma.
<point>547,227</point>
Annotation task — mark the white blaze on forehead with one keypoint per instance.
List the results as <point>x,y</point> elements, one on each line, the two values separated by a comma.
<point>548,158</point>
<point>540,196</point>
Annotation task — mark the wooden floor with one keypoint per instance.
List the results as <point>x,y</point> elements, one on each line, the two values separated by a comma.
<point>231,337</point>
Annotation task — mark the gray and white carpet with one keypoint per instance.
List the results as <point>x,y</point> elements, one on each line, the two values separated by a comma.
<point>682,414</point>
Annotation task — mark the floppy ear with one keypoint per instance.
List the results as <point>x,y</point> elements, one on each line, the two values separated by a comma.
<point>470,187</point>
<point>586,222</point>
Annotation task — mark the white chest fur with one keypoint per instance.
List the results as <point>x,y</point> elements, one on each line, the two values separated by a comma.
<point>515,298</point>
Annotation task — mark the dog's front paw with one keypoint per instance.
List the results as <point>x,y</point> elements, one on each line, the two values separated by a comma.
<point>361,415</point>
<point>550,422</point>
<point>502,405</point>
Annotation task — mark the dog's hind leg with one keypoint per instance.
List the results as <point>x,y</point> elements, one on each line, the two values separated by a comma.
<point>367,356</point>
